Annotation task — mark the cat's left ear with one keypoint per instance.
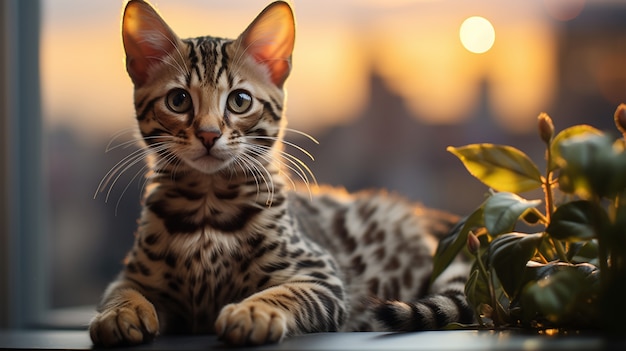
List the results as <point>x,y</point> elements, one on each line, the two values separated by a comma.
<point>270,40</point>
<point>147,40</point>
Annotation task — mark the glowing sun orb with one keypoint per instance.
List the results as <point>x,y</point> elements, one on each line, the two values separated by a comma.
<point>477,34</point>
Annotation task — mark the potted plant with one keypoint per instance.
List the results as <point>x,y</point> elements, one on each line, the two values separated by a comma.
<point>567,269</point>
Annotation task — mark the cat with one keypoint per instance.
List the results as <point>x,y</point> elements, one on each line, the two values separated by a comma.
<point>225,243</point>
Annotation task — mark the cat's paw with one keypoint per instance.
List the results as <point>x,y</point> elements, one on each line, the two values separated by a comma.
<point>129,322</point>
<point>251,323</point>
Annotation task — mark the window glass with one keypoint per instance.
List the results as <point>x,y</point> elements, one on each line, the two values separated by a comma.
<point>384,85</point>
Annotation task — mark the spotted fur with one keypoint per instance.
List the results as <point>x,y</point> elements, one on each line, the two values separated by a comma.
<point>223,245</point>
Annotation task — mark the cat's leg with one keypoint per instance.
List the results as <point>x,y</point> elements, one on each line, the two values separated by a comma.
<point>288,309</point>
<point>125,317</point>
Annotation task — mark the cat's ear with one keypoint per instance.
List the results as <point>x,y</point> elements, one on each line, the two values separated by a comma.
<point>270,40</point>
<point>147,39</point>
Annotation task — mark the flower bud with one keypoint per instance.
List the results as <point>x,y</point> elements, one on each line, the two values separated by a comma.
<point>473,244</point>
<point>546,127</point>
<point>620,118</point>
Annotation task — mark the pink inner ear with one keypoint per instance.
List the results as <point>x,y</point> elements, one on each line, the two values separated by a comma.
<point>270,40</point>
<point>147,39</point>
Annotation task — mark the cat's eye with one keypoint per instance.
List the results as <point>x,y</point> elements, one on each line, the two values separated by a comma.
<point>239,101</point>
<point>178,100</point>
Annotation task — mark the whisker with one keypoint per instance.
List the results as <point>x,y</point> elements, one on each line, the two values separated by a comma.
<point>269,181</point>
<point>295,146</point>
<point>303,170</point>
<point>176,66</point>
<point>246,168</point>
<point>182,58</point>
<point>304,134</point>
<point>117,135</point>
<point>136,141</point>
<point>256,174</point>
<point>236,65</point>
<point>301,165</point>
<point>262,151</point>
<point>259,150</point>
<point>138,158</point>
<point>120,164</point>
<point>183,70</point>
<point>113,175</point>
<point>160,163</point>
<point>142,186</point>
<point>176,165</point>
<point>119,200</point>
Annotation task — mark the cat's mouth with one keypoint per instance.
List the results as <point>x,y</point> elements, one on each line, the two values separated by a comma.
<point>209,163</point>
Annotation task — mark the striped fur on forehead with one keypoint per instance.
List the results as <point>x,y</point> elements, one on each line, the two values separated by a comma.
<point>224,62</point>
<point>209,63</point>
<point>209,58</point>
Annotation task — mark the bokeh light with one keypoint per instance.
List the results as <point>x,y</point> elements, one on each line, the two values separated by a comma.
<point>477,34</point>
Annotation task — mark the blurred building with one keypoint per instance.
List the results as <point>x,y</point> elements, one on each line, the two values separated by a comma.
<point>384,146</point>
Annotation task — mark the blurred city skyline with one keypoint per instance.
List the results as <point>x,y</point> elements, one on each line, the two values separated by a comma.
<point>413,44</point>
<point>384,85</point>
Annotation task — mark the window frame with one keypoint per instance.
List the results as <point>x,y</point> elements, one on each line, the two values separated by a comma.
<point>23,236</point>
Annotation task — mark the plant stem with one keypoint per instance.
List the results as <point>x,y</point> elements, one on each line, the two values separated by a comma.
<point>549,199</point>
<point>481,267</point>
<point>497,319</point>
<point>547,189</point>
<point>559,250</point>
<point>543,259</point>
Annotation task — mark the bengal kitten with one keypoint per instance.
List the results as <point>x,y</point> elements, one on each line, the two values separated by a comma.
<point>223,245</point>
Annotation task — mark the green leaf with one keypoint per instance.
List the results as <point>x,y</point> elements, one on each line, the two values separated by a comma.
<point>559,290</point>
<point>591,166</point>
<point>503,168</point>
<point>539,271</point>
<point>583,251</point>
<point>453,243</point>
<point>508,256</point>
<point>503,210</point>
<point>548,251</point>
<point>577,221</point>
<point>565,134</point>
<point>476,289</point>
<point>478,296</point>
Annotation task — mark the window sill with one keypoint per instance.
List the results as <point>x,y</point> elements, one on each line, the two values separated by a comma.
<point>68,318</point>
<point>430,340</point>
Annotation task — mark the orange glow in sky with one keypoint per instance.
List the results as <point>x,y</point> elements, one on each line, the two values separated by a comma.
<point>414,44</point>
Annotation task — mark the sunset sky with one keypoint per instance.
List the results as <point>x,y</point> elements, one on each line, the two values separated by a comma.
<point>414,44</point>
<point>544,58</point>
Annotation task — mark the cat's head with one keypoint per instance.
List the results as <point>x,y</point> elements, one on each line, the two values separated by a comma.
<point>209,102</point>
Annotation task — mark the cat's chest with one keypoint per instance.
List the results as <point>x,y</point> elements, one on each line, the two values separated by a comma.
<point>205,254</point>
<point>225,209</point>
<point>219,265</point>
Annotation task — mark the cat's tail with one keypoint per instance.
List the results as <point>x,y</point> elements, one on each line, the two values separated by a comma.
<point>445,304</point>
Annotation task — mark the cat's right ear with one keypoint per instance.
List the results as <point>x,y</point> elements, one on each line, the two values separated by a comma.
<point>269,39</point>
<point>147,40</point>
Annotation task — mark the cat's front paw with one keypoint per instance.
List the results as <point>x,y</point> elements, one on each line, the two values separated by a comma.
<point>129,322</point>
<point>251,323</point>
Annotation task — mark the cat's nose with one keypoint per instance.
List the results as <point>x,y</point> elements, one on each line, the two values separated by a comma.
<point>208,137</point>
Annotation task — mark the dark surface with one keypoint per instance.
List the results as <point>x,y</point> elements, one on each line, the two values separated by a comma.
<point>431,340</point>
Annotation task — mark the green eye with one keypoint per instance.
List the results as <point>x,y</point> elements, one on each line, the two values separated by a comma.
<point>178,100</point>
<point>239,101</point>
